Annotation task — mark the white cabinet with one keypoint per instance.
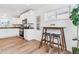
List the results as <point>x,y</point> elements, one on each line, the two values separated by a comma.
<point>29,34</point>
<point>30,17</point>
<point>4,33</point>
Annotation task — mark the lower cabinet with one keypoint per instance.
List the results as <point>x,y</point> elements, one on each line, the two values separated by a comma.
<point>4,33</point>
<point>30,34</point>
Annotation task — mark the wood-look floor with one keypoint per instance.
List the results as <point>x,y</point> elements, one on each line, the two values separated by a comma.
<point>17,45</point>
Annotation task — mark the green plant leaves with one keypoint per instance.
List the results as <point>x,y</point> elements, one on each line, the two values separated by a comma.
<point>75,16</point>
<point>74,22</point>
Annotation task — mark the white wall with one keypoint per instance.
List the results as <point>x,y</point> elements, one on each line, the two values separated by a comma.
<point>70,33</point>
<point>15,21</point>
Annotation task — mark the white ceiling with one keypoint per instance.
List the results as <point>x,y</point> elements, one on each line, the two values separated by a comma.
<point>14,10</point>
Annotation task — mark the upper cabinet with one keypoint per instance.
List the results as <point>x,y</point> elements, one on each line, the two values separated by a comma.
<point>58,14</point>
<point>29,16</point>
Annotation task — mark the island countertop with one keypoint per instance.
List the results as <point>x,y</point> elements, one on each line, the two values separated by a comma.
<point>9,27</point>
<point>15,28</point>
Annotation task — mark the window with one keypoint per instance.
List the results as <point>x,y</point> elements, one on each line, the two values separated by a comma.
<point>63,13</point>
<point>4,22</point>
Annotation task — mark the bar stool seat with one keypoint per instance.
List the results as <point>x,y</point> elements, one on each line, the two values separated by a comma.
<point>46,33</point>
<point>47,37</point>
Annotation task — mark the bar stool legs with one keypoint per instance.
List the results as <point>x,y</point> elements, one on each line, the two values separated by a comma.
<point>56,37</point>
<point>41,41</point>
<point>49,43</point>
<point>58,45</point>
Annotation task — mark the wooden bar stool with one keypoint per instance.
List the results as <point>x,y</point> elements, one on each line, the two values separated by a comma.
<point>46,39</point>
<point>56,37</point>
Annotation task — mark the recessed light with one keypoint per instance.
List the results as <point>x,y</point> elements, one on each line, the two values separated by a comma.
<point>27,4</point>
<point>18,11</point>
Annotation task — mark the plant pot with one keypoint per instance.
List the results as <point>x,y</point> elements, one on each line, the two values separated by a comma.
<point>75,50</point>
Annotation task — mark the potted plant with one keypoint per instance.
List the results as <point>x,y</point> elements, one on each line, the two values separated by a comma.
<point>75,20</point>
